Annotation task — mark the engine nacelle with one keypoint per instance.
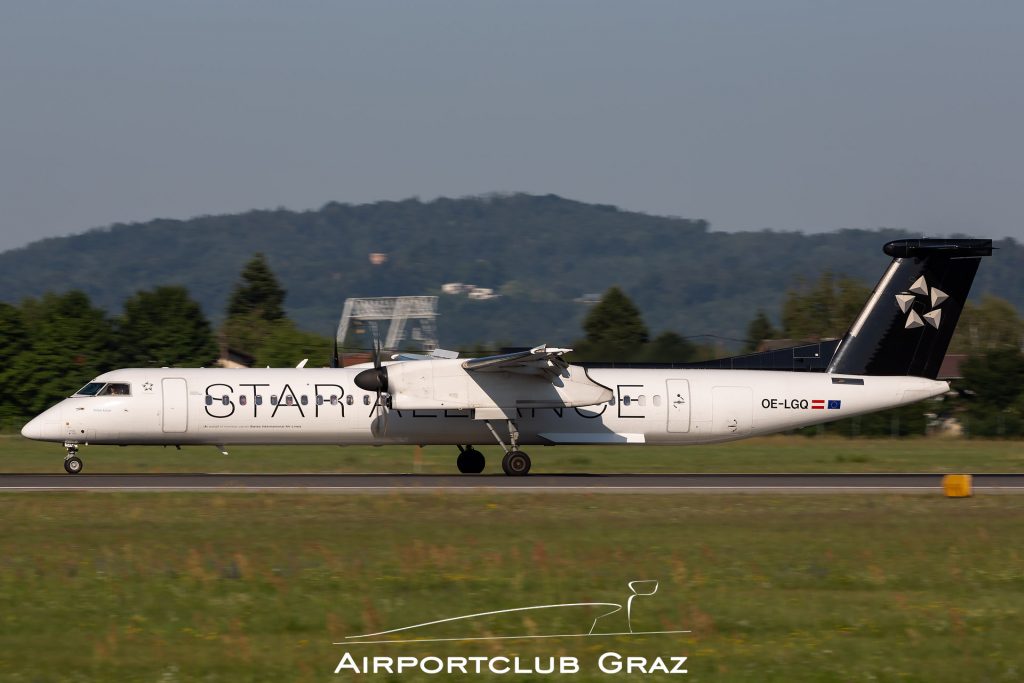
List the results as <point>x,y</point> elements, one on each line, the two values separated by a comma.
<point>446,385</point>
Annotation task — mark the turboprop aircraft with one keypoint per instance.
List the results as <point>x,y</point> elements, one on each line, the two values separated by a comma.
<point>889,357</point>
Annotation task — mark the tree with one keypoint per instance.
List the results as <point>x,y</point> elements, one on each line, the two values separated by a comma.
<point>992,324</point>
<point>669,347</point>
<point>13,368</point>
<point>285,345</point>
<point>70,343</point>
<point>760,328</point>
<point>258,294</point>
<point>825,310</point>
<point>614,326</point>
<point>993,386</point>
<point>165,327</point>
<point>255,308</point>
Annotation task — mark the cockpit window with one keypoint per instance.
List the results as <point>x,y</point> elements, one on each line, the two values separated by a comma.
<point>116,389</point>
<point>90,389</point>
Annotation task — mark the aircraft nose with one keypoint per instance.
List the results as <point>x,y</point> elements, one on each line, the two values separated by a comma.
<point>33,429</point>
<point>43,427</point>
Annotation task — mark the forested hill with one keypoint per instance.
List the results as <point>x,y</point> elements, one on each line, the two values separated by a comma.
<point>539,252</point>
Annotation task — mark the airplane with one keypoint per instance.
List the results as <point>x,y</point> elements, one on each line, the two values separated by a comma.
<point>889,357</point>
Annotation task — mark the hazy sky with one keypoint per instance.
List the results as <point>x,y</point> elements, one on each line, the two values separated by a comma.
<point>808,115</point>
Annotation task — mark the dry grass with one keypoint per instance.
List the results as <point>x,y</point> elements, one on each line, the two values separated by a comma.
<point>255,587</point>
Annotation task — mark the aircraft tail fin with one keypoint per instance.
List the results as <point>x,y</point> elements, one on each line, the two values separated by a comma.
<point>908,322</point>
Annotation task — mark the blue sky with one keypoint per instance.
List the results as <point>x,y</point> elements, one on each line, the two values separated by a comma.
<point>795,115</point>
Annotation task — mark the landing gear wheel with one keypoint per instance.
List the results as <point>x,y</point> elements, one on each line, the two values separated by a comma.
<point>471,461</point>
<point>73,465</point>
<point>516,463</point>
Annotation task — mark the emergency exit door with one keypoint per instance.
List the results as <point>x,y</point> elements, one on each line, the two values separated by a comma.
<point>175,412</point>
<point>678,395</point>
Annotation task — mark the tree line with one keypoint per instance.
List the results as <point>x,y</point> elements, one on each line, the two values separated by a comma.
<point>988,400</point>
<point>545,256</point>
<point>51,345</point>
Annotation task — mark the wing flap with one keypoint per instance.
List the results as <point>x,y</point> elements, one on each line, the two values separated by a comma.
<point>542,360</point>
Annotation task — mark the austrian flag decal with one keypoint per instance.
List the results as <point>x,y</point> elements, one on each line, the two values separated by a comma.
<point>819,404</point>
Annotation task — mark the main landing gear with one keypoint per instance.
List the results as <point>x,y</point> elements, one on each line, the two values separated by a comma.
<point>471,461</point>
<point>72,463</point>
<point>515,463</point>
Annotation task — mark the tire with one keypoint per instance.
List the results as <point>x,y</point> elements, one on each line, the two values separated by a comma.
<point>73,465</point>
<point>471,462</point>
<point>516,464</point>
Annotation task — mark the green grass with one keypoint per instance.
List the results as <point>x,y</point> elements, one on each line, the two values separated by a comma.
<point>256,587</point>
<point>769,454</point>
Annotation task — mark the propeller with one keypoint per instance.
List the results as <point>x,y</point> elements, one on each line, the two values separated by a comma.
<point>376,379</point>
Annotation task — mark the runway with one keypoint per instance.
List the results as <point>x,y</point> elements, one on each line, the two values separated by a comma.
<point>537,483</point>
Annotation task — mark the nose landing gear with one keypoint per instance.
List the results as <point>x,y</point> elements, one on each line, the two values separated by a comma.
<point>72,463</point>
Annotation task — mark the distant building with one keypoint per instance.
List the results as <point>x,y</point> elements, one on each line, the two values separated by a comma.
<point>454,288</point>
<point>482,293</point>
<point>378,258</point>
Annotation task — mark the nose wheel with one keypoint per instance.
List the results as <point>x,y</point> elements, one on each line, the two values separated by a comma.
<point>72,463</point>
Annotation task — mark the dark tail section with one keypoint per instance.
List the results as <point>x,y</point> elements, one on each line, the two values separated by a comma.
<point>906,325</point>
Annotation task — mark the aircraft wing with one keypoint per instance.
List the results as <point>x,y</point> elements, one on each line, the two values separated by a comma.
<point>540,360</point>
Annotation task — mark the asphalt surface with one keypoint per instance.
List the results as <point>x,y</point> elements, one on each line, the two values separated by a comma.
<point>642,483</point>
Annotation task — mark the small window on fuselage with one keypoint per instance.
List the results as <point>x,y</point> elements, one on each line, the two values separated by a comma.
<point>116,389</point>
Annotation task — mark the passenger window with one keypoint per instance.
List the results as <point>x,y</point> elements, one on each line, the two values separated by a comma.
<point>289,400</point>
<point>366,399</point>
<point>656,400</point>
<point>626,400</point>
<point>319,399</point>
<point>242,400</point>
<point>273,399</point>
<point>209,400</point>
<point>304,400</point>
<point>334,400</point>
<point>259,399</point>
<point>641,400</point>
<point>225,400</point>
<point>348,399</point>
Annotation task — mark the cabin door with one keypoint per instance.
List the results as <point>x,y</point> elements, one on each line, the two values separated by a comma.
<point>175,411</point>
<point>678,402</point>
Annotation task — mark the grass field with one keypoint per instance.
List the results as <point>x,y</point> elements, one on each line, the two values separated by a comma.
<point>256,587</point>
<point>770,454</point>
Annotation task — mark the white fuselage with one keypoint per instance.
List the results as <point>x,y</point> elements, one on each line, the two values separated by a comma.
<point>324,406</point>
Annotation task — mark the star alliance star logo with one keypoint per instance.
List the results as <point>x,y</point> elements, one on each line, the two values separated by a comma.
<point>147,386</point>
<point>933,296</point>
